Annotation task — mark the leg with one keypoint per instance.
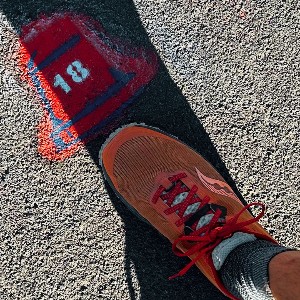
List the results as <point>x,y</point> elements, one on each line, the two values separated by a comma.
<point>284,273</point>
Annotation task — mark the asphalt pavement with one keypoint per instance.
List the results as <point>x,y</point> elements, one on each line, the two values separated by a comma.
<point>228,85</point>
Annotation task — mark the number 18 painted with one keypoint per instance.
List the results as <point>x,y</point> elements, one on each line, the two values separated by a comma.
<point>76,71</point>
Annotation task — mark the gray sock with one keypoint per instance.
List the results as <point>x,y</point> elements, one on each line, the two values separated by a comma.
<point>245,270</point>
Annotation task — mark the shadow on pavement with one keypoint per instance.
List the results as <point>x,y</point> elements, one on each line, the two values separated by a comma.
<point>163,106</point>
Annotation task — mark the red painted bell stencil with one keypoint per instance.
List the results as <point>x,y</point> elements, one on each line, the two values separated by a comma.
<point>85,79</point>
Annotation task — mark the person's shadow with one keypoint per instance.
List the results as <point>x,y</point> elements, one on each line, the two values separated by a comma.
<point>162,105</point>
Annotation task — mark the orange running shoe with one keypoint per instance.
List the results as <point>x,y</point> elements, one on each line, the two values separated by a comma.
<point>176,190</point>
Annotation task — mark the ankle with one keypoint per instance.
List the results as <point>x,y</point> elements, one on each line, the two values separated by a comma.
<point>245,271</point>
<point>284,274</point>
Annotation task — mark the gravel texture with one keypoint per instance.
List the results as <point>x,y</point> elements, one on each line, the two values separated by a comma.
<point>228,85</point>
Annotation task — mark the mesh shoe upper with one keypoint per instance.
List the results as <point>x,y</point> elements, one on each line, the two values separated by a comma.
<point>178,192</point>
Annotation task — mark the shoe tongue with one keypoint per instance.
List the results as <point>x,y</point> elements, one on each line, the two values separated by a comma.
<point>204,221</point>
<point>192,208</point>
<point>179,198</point>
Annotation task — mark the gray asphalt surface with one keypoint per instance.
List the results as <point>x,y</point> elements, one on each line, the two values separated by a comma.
<point>228,85</point>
